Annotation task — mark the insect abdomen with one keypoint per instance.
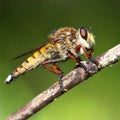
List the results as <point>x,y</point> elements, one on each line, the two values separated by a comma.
<point>48,52</point>
<point>29,64</point>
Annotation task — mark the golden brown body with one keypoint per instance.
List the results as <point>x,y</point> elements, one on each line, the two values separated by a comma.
<point>64,43</point>
<point>55,50</point>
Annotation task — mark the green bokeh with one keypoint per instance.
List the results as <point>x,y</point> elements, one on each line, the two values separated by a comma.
<point>24,24</point>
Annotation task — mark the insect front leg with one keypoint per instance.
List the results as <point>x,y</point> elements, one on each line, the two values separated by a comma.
<point>89,56</point>
<point>55,69</point>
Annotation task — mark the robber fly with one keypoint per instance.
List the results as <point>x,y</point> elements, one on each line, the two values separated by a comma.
<point>65,43</point>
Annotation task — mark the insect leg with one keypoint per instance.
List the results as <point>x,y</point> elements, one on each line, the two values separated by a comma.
<point>91,58</point>
<point>60,76</point>
<point>55,69</point>
<point>79,64</point>
<point>91,52</point>
<point>70,55</point>
<point>86,53</point>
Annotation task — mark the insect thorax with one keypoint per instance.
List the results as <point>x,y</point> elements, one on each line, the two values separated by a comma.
<point>65,40</point>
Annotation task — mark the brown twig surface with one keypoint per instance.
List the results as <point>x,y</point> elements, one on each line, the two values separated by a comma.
<point>75,77</point>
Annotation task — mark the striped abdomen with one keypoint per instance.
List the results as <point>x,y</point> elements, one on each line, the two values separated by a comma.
<point>30,63</point>
<point>47,52</point>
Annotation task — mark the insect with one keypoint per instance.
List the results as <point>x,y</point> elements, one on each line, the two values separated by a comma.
<point>65,43</point>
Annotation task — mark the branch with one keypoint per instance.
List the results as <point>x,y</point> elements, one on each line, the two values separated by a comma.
<point>75,77</point>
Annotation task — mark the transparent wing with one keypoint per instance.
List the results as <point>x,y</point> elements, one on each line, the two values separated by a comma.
<point>28,52</point>
<point>40,46</point>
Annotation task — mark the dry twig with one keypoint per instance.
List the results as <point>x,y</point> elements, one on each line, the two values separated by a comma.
<point>75,77</point>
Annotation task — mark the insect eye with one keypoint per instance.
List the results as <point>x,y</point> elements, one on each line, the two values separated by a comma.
<point>83,32</point>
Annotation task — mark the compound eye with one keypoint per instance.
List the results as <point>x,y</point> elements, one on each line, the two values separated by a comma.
<point>83,32</point>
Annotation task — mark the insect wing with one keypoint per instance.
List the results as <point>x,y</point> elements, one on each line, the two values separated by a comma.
<point>28,52</point>
<point>37,48</point>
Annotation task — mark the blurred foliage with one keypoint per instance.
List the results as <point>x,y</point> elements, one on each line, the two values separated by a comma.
<point>24,24</point>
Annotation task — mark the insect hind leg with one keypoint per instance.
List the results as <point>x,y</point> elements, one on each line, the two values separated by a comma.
<point>60,81</point>
<point>55,69</point>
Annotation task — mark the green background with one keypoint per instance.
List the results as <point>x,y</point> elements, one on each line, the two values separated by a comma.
<point>25,24</point>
